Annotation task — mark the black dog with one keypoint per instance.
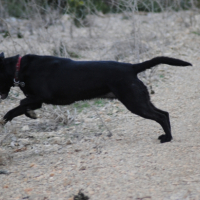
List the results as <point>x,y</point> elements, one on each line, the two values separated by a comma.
<point>61,81</point>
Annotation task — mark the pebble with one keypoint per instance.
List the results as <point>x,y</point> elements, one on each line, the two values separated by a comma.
<point>82,168</point>
<point>13,144</point>
<point>24,141</point>
<point>4,172</point>
<point>69,142</point>
<point>25,128</point>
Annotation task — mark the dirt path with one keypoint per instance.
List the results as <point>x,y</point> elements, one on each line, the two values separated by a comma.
<point>49,160</point>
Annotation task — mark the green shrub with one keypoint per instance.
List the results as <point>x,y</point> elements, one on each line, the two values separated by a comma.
<point>14,8</point>
<point>79,9</point>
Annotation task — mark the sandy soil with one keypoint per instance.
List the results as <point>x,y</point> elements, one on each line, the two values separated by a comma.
<point>50,159</point>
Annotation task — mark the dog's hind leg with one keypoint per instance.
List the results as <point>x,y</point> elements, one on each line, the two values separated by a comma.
<point>136,99</point>
<point>163,112</point>
<point>149,112</point>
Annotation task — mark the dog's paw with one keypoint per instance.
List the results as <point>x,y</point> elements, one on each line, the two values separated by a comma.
<point>160,137</point>
<point>31,114</point>
<point>164,138</point>
<point>109,134</point>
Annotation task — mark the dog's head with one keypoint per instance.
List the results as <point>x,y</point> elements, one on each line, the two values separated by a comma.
<point>5,82</point>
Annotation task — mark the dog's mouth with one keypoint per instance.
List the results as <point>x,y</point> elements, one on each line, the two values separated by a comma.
<point>3,96</point>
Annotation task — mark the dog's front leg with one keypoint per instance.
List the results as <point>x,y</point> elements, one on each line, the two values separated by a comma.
<point>31,103</point>
<point>26,107</point>
<point>19,110</point>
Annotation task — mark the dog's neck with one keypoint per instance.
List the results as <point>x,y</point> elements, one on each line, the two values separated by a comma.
<point>17,68</point>
<point>13,69</point>
<point>12,65</point>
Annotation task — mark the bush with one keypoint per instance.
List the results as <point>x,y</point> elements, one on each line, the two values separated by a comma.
<point>79,9</point>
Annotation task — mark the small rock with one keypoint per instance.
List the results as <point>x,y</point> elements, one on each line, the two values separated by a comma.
<point>77,135</point>
<point>77,150</point>
<point>57,140</point>
<point>115,110</point>
<point>4,172</point>
<point>12,144</point>
<point>68,142</point>
<point>82,168</point>
<point>98,134</point>
<point>24,142</point>
<point>5,186</point>
<point>67,182</point>
<point>14,138</point>
<point>25,128</point>
<point>32,165</point>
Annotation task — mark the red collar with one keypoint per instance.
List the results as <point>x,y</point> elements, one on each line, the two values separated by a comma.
<point>16,78</point>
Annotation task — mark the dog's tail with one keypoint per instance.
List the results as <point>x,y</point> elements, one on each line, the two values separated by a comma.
<point>158,60</point>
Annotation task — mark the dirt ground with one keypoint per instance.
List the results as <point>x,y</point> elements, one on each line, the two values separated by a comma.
<point>50,159</point>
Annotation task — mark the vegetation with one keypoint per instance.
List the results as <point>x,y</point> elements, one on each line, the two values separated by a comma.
<point>79,9</point>
<point>63,51</point>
